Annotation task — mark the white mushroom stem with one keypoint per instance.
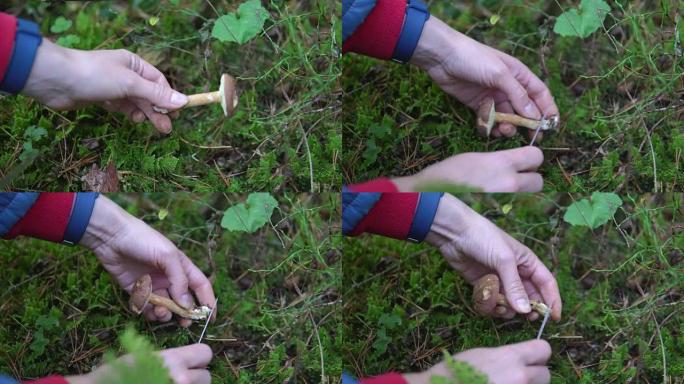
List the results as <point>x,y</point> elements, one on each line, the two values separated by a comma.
<point>516,120</point>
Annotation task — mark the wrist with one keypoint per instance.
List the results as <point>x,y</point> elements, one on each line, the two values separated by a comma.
<point>450,222</point>
<point>47,76</point>
<point>106,221</point>
<point>406,183</point>
<point>434,45</point>
<point>81,379</point>
<point>416,378</point>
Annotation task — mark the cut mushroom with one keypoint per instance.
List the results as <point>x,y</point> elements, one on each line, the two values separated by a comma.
<point>487,297</point>
<point>142,295</point>
<point>487,117</point>
<point>226,95</point>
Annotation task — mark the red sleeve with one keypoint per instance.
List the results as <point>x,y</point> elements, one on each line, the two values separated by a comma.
<point>388,378</point>
<point>47,219</point>
<point>8,30</point>
<point>378,185</point>
<point>391,216</point>
<point>379,33</point>
<point>49,380</point>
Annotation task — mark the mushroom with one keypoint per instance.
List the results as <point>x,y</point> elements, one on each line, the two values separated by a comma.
<point>486,296</point>
<point>487,117</point>
<point>142,294</point>
<point>226,95</point>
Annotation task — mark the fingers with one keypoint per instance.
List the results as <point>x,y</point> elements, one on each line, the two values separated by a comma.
<point>189,356</point>
<point>534,270</point>
<point>533,294</point>
<point>157,94</point>
<point>162,314</point>
<point>199,284</point>
<point>530,182</point>
<point>160,121</point>
<point>512,286</point>
<point>536,89</point>
<point>517,95</point>
<point>197,376</point>
<point>538,374</point>
<point>524,159</point>
<point>178,281</point>
<point>532,352</point>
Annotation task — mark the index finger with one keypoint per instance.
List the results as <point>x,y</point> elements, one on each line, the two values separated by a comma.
<point>199,284</point>
<point>191,356</point>
<point>532,352</point>
<point>144,69</point>
<point>536,89</point>
<point>533,269</point>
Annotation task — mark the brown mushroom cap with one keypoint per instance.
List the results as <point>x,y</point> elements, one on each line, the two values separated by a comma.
<point>228,94</point>
<point>486,294</point>
<point>141,294</point>
<point>486,115</point>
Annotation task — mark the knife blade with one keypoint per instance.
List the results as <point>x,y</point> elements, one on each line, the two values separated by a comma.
<point>207,323</point>
<point>543,324</point>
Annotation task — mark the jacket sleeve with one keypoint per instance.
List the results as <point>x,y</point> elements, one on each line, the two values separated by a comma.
<point>388,378</point>
<point>385,29</point>
<point>49,380</point>
<point>58,217</point>
<point>19,42</point>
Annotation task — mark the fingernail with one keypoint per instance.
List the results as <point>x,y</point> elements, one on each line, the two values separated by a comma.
<point>186,301</point>
<point>531,111</point>
<point>179,99</point>
<point>523,305</point>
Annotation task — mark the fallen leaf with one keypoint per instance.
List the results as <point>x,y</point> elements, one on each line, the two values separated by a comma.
<point>101,180</point>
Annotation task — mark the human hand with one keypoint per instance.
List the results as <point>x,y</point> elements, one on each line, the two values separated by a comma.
<point>474,247</point>
<point>128,248</point>
<point>471,71</point>
<point>186,365</point>
<point>511,170</point>
<point>119,80</point>
<point>521,363</point>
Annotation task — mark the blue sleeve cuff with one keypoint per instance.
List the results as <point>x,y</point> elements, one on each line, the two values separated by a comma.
<point>355,206</point>
<point>7,380</point>
<point>346,379</point>
<point>425,215</point>
<point>354,13</point>
<point>417,14</point>
<point>80,217</point>
<point>26,45</point>
<point>13,207</point>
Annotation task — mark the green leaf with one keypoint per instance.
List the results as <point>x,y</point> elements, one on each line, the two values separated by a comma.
<point>494,19</point>
<point>243,25</point>
<point>594,213</point>
<point>153,20</point>
<point>60,25</point>
<point>582,22</point>
<point>35,133</point>
<point>162,213</point>
<point>506,208</point>
<point>250,216</point>
<point>69,41</point>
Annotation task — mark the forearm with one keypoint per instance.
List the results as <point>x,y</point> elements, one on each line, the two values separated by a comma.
<point>106,221</point>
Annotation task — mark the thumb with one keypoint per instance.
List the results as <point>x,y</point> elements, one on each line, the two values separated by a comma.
<point>513,287</point>
<point>518,96</point>
<point>178,288</point>
<point>157,94</point>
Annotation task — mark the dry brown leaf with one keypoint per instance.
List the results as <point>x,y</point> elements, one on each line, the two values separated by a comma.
<point>101,180</point>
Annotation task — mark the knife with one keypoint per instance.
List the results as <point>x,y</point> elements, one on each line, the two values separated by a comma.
<point>207,323</point>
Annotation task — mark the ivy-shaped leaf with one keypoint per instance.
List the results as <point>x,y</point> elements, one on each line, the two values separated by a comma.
<point>250,216</point>
<point>582,22</point>
<point>594,213</point>
<point>243,25</point>
<point>60,25</point>
<point>69,41</point>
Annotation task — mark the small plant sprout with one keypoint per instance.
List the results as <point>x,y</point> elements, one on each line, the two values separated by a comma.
<point>142,294</point>
<point>487,117</point>
<point>226,95</point>
<point>487,297</point>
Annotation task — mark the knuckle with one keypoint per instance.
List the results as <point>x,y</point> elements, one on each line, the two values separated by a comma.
<point>182,378</point>
<point>510,184</point>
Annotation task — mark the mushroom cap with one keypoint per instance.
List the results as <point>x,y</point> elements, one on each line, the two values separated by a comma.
<point>486,115</point>
<point>486,294</point>
<point>141,294</point>
<point>228,93</point>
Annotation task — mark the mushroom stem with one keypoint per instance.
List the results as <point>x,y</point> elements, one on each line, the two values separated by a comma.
<point>203,99</point>
<point>536,305</point>
<point>516,120</point>
<point>171,306</point>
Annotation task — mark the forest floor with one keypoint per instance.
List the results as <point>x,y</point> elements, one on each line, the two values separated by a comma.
<point>278,291</point>
<point>621,285</point>
<point>619,92</point>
